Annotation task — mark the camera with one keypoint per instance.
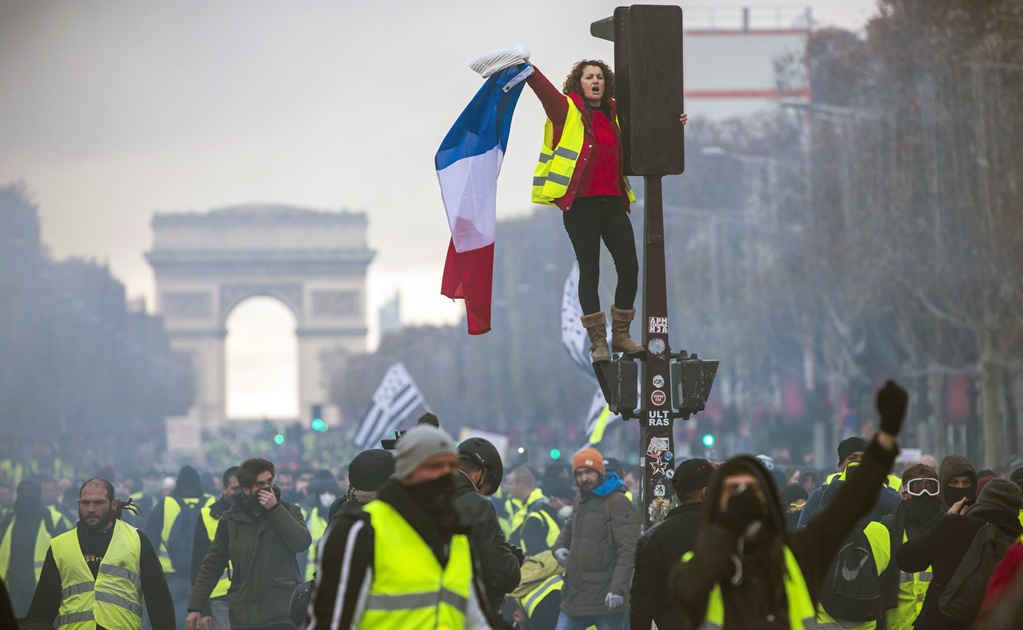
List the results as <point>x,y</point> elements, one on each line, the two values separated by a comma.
<point>392,442</point>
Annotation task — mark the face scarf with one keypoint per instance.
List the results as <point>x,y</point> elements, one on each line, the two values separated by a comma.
<point>923,507</point>
<point>435,496</point>
<point>953,495</point>
<point>327,499</point>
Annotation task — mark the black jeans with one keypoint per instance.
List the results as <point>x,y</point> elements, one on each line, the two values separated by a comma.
<point>588,221</point>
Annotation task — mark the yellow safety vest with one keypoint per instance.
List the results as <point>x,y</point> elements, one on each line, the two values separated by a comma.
<point>520,518</point>
<point>317,524</point>
<point>224,583</point>
<point>171,510</point>
<point>802,615</point>
<point>512,506</point>
<point>538,594</point>
<point>113,599</point>
<point>42,544</point>
<point>553,172</point>
<point>894,481</point>
<point>410,589</point>
<point>880,545</point>
<point>912,590</point>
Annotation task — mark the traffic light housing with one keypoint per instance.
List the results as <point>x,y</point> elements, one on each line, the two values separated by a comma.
<point>317,423</point>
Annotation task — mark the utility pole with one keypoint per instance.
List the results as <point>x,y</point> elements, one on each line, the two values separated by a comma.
<point>648,77</point>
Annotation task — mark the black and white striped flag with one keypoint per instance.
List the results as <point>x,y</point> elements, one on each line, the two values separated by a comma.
<point>396,397</point>
<point>573,335</point>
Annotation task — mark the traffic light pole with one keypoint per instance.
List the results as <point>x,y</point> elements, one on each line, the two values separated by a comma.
<point>656,439</point>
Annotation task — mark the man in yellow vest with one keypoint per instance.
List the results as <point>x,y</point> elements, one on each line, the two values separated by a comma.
<point>905,592</point>
<point>323,493</point>
<point>96,576</point>
<point>746,571</point>
<point>205,530</point>
<point>535,526</point>
<point>404,561</point>
<point>174,547</point>
<point>24,540</point>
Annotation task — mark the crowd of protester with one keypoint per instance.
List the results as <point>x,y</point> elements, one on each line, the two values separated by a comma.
<point>439,534</point>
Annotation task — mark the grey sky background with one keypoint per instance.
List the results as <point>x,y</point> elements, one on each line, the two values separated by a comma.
<point>113,110</point>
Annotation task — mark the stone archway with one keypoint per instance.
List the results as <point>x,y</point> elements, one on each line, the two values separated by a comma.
<point>314,262</point>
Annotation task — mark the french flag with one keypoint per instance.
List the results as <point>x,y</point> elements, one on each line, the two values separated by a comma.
<point>468,162</point>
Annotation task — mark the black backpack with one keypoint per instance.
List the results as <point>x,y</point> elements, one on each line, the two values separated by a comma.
<point>182,535</point>
<point>964,594</point>
<point>852,588</point>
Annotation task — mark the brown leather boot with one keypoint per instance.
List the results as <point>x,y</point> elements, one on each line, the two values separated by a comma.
<point>596,327</point>
<point>620,339</point>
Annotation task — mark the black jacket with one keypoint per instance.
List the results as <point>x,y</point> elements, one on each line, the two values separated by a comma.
<point>657,552</point>
<point>500,566</point>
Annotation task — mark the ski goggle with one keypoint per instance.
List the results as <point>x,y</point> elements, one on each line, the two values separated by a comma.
<point>923,485</point>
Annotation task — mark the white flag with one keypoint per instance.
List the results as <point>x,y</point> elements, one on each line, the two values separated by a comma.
<point>396,397</point>
<point>573,335</point>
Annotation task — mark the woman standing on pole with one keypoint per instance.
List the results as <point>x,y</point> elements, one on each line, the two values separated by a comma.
<point>581,171</point>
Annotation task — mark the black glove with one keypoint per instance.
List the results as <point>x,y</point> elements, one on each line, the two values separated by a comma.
<point>518,553</point>
<point>743,509</point>
<point>891,404</point>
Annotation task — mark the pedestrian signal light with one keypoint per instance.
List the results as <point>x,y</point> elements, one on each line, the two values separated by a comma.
<point>555,453</point>
<point>708,440</point>
<point>279,438</point>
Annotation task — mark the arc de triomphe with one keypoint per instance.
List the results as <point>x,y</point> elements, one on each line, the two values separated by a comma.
<point>314,262</point>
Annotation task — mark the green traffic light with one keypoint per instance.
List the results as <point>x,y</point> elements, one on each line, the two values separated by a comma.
<point>319,424</point>
<point>279,439</point>
<point>708,440</point>
<point>555,453</point>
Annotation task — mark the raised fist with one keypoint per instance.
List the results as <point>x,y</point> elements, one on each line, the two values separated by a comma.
<point>891,405</point>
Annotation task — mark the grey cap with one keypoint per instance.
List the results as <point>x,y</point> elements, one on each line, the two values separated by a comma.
<point>418,445</point>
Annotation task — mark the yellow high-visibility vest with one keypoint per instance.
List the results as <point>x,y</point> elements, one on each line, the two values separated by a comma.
<point>801,611</point>
<point>39,556</point>
<point>554,169</point>
<point>317,524</point>
<point>171,511</point>
<point>113,599</point>
<point>524,513</point>
<point>912,590</point>
<point>410,588</point>
<point>893,481</point>
<point>211,523</point>
<point>538,594</point>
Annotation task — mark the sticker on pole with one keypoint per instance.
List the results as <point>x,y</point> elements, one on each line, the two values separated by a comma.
<point>658,397</point>
<point>658,325</point>
<point>658,381</point>
<point>657,446</point>
<point>659,490</point>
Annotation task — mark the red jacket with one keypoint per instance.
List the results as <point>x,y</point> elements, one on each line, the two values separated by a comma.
<point>556,107</point>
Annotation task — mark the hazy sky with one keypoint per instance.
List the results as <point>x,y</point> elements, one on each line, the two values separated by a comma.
<point>113,110</point>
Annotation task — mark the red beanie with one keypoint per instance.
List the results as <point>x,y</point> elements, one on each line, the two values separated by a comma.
<point>588,458</point>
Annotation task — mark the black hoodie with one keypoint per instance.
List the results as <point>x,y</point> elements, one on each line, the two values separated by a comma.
<point>759,602</point>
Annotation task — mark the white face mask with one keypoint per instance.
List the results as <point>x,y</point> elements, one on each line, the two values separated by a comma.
<point>326,500</point>
<point>565,512</point>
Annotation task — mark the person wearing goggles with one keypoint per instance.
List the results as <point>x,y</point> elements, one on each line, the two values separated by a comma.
<point>906,591</point>
<point>920,486</point>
